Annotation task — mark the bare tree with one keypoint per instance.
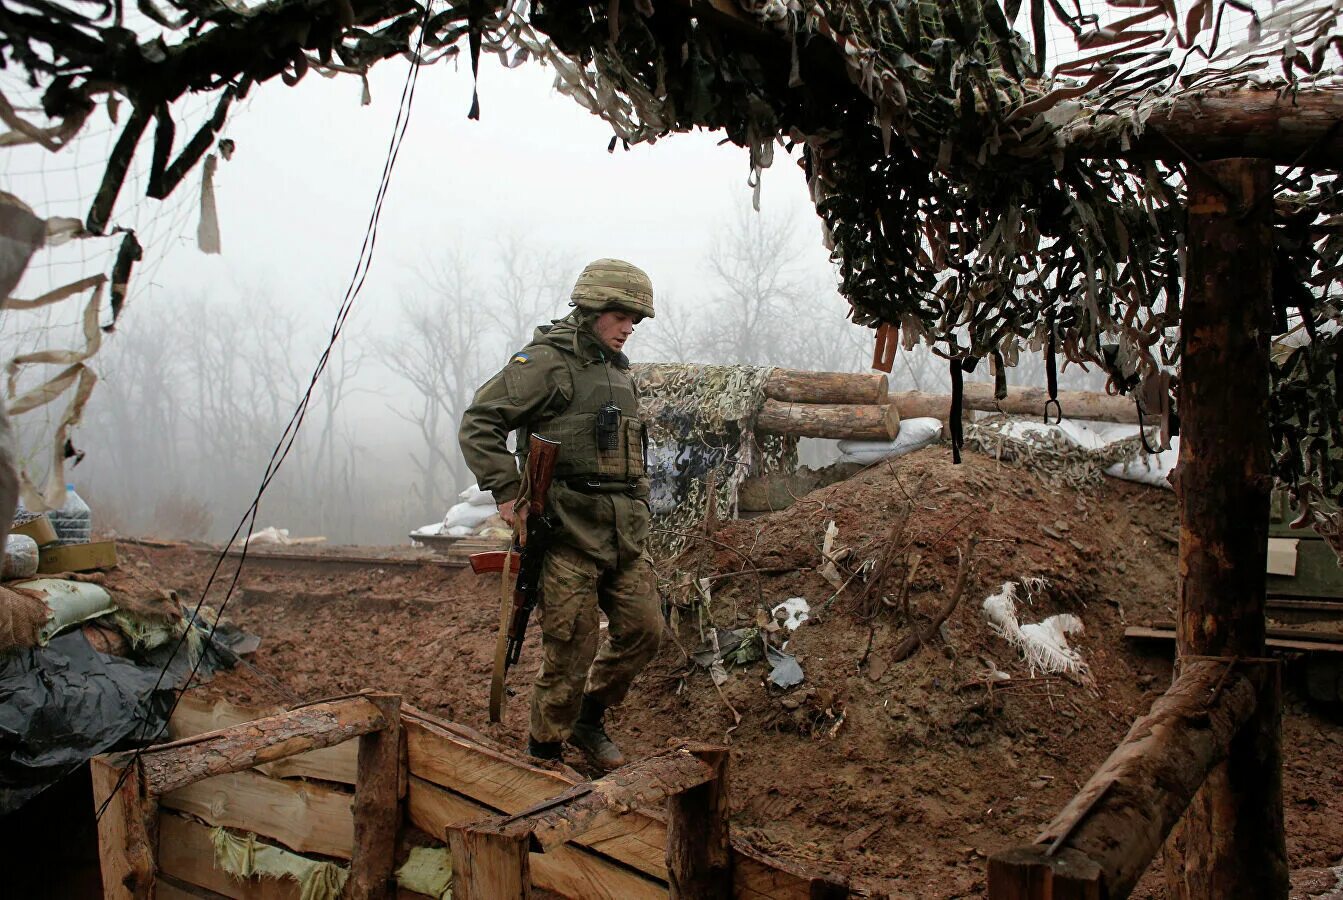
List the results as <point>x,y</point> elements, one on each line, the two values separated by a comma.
<point>439,354</point>
<point>532,284</point>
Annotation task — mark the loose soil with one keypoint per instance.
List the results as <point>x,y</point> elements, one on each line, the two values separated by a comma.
<point>904,775</point>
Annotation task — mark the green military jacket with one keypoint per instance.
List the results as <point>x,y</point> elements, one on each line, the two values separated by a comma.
<point>554,387</point>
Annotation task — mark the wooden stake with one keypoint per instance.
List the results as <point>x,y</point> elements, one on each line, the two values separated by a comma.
<point>377,811</point>
<point>1231,843</point>
<point>699,850</point>
<point>127,828</point>
<point>488,865</point>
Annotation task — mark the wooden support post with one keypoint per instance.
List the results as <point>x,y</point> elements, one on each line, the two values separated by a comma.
<point>489,865</point>
<point>699,849</point>
<point>127,827</point>
<point>1231,842</point>
<point>168,767</point>
<point>377,810</point>
<point>1100,844</point>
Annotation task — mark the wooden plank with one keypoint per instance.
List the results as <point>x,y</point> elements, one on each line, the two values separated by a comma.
<point>196,715</point>
<point>510,786</point>
<point>186,853</point>
<point>1327,643</point>
<point>125,839</point>
<point>567,869</point>
<point>699,848</point>
<point>305,817</point>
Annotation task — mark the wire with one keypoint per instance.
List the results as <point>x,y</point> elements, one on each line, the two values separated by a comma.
<point>290,434</point>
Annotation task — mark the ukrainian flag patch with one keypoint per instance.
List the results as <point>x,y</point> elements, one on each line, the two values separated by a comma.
<point>520,358</point>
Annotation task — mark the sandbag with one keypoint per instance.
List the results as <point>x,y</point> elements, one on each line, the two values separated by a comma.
<point>70,602</point>
<point>469,515</point>
<point>20,557</point>
<point>1153,469</point>
<point>476,497</point>
<point>915,434</point>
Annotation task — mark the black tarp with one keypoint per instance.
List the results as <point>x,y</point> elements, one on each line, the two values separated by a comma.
<point>66,702</point>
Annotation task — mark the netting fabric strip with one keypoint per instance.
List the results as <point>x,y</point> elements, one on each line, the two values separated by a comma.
<point>702,429</point>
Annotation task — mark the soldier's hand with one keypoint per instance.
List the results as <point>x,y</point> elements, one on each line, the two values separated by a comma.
<point>506,511</point>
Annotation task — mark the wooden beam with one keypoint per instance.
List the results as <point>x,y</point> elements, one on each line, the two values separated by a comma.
<point>1232,841</point>
<point>168,767</point>
<point>570,870</point>
<point>852,422</point>
<point>1117,822</point>
<point>304,816</point>
<point>196,715</point>
<point>640,784</point>
<point>377,808</point>
<point>488,864</point>
<point>127,827</point>
<point>1020,401</point>
<point>1286,130</point>
<point>699,847</point>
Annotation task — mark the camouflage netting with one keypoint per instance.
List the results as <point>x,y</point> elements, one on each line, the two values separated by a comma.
<point>975,197</point>
<point>702,431</point>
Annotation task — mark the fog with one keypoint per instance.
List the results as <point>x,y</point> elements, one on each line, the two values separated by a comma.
<point>485,227</point>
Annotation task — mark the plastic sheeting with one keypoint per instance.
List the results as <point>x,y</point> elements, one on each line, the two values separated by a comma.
<point>64,703</point>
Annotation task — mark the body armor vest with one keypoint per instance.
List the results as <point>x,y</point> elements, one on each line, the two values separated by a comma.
<point>601,437</point>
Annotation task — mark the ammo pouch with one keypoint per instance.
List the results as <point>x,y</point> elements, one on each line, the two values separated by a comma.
<point>581,457</point>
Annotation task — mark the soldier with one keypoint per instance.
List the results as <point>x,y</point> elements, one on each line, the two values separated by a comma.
<point>572,384</point>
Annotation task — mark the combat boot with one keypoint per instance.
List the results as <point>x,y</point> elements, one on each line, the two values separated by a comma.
<point>548,751</point>
<point>589,735</point>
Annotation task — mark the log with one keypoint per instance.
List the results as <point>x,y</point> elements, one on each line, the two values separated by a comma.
<point>630,787</point>
<point>1020,401</point>
<point>798,386</point>
<point>168,767</point>
<point>869,422</point>
<point>1114,826</point>
<point>377,810</point>
<point>127,827</point>
<point>488,864</point>
<point>699,847</point>
<point>195,716</point>
<point>1232,842</point>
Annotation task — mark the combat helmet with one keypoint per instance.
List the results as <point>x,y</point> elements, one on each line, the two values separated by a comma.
<point>614,284</point>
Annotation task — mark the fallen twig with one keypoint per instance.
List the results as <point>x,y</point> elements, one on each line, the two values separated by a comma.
<point>917,638</point>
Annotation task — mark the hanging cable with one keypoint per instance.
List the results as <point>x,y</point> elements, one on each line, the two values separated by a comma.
<point>290,434</point>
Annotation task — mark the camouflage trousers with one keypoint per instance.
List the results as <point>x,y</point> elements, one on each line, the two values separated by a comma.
<point>573,593</point>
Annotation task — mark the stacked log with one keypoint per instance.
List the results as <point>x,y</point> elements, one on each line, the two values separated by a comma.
<point>835,405</point>
<point>1020,401</point>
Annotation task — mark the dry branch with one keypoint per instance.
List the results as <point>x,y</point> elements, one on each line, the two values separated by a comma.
<point>916,638</point>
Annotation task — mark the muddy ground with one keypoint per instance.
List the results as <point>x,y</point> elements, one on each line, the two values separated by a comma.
<point>903,774</point>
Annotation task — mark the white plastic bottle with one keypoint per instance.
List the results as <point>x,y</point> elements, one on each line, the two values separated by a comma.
<point>74,520</point>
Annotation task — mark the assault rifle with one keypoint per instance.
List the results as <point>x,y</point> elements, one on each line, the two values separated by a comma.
<point>531,539</point>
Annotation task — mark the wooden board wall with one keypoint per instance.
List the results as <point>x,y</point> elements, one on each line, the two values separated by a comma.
<point>455,776</point>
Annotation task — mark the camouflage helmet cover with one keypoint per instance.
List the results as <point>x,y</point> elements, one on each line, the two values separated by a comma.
<point>614,284</point>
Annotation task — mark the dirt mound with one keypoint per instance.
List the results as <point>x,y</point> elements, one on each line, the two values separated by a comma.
<point>904,773</point>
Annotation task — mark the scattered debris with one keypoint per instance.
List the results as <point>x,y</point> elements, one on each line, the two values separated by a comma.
<point>786,671</point>
<point>280,536</point>
<point>792,612</point>
<point>1044,645</point>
